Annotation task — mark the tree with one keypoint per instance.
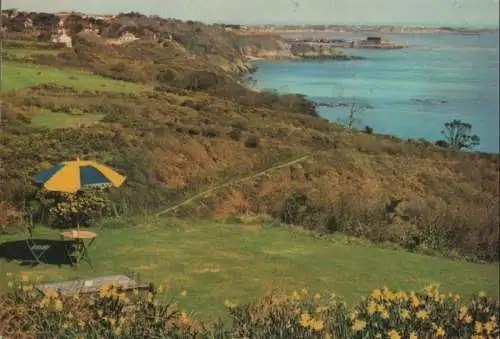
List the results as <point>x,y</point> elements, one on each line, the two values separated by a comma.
<point>355,109</point>
<point>458,135</point>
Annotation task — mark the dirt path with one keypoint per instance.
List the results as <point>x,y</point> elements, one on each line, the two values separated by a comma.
<point>232,182</point>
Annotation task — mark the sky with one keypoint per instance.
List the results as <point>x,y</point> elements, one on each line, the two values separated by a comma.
<point>465,13</point>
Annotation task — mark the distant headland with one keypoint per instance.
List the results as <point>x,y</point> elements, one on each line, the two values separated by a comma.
<point>349,29</point>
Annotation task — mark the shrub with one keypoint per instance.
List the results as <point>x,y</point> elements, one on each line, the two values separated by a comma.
<point>7,214</point>
<point>66,210</point>
<point>442,143</point>
<point>368,130</point>
<point>235,134</point>
<point>252,142</point>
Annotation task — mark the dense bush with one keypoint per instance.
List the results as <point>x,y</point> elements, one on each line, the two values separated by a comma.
<point>417,228</point>
<point>301,315</point>
<point>66,210</point>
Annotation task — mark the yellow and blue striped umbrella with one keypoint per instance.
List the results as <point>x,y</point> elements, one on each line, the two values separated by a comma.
<point>70,176</point>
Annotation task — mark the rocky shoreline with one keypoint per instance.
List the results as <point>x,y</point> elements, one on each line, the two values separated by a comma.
<point>277,48</point>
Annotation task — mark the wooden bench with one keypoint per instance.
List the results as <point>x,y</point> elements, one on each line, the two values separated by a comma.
<point>89,286</point>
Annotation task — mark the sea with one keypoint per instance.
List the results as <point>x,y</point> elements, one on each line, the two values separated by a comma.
<point>410,92</point>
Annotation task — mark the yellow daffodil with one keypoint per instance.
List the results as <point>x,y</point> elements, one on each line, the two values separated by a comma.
<point>304,291</point>
<point>393,334</point>
<point>45,302</point>
<point>422,314</point>
<point>387,294</point>
<point>440,332</point>
<point>462,312</point>
<point>353,315</point>
<point>405,314</point>
<point>358,325</point>
<point>372,308</point>
<point>317,296</point>
<point>229,303</point>
<point>376,294</point>
<point>468,319</point>
<point>58,305</point>
<point>118,331</point>
<point>380,308</point>
<point>184,293</point>
<point>413,335</point>
<point>184,318</point>
<point>478,327</point>
<point>401,296</point>
<point>317,325</point>
<point>415,302</point>
<point>384,314</point>
<point>305,319</point>
<point>320,309</point>
<point>295,295</point>
<point>489,327</point>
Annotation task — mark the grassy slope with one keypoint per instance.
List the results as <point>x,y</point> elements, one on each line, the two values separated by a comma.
<point>215,262</point>
<point>20,75</point>
<point>49,119</point>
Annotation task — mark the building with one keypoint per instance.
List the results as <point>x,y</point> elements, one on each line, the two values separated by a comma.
<point>62,38</point>
<point>124,38</point>
<point>28,23</point>
<point>127,37</point>
<point>374,40</point>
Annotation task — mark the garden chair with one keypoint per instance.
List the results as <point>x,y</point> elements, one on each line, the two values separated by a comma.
<point>37,250</point>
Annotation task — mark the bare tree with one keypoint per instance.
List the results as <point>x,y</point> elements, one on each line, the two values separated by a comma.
<point>457,134</point>
<point>353,117</point>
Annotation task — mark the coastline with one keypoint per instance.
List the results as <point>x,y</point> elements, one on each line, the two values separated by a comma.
<point>429,95</point>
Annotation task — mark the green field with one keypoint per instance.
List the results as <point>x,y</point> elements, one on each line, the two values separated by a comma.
<point>17,76</point>
<point>46,118</point>
<point>214,262</point>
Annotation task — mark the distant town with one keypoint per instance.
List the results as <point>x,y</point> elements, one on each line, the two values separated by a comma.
<point>279,29</point>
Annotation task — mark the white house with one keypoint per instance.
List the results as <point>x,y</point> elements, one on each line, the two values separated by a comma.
<point>28,23</point>
<point>127,37</point>
<point>123,39</point>
<point>62,38</point>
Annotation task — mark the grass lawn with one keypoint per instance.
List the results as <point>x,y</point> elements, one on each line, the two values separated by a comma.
<point>214,262</point>
<point>21,75</point>
<point>46,118</point>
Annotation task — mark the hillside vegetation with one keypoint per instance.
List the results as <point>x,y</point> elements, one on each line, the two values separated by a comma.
<point>170,111</point>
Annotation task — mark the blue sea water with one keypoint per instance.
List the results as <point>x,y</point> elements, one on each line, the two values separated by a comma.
<point>412,91</point>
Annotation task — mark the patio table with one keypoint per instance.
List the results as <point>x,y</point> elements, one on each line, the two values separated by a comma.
<point>78,243</point>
